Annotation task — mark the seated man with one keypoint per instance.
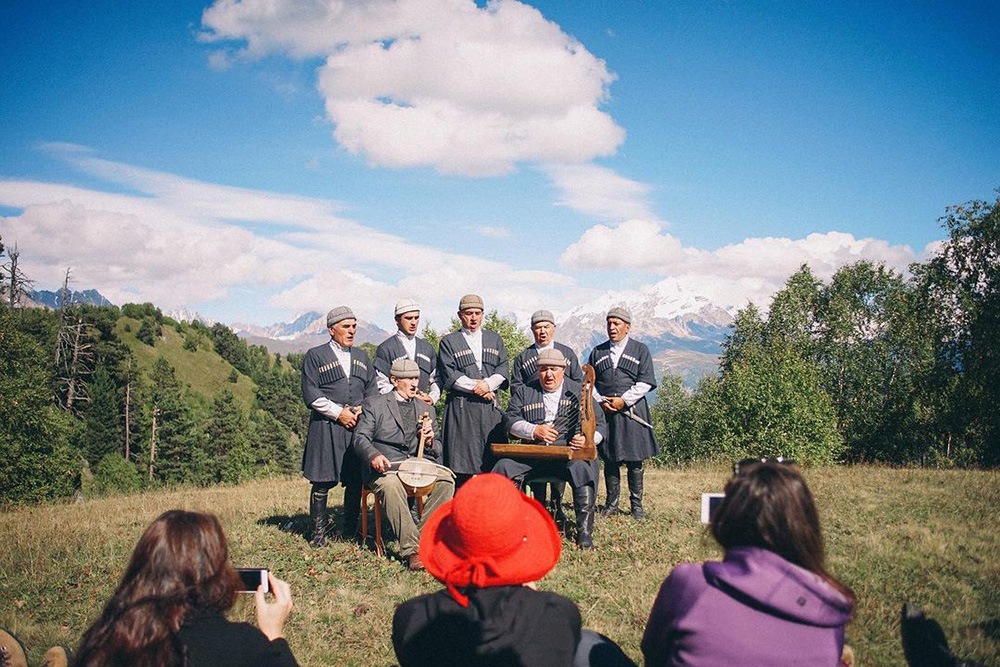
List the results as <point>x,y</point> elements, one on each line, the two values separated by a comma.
<point>388,432</point>
<point>547,412</point>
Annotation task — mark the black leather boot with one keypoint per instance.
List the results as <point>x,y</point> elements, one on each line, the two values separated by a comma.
<point>612,486</point>
<point>317,516</point>
<point>635,490</point>
<point>352,510</point>
<point>584,500</point>
<point>557,490</point>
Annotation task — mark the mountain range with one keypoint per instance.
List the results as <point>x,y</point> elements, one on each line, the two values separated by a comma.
<point>684,332</point>
<point>53,300</point>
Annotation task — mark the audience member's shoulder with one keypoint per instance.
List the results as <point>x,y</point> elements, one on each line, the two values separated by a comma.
<point>686,578</point>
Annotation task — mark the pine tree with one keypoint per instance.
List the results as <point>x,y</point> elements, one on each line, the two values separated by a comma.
<point>102,425</point>
<point>178,456</point>
<point>227,438</point>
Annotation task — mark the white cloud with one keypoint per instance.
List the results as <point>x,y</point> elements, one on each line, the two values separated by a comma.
<point>599,191</point>
<point>183,242</point>
<point>752,269</point>
<point>440,83</point>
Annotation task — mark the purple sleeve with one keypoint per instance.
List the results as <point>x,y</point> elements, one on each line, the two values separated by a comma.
<point>677,595</point>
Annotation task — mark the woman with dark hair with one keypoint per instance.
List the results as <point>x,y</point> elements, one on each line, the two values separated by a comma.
<point>771,600</point>
<point>168,608</point>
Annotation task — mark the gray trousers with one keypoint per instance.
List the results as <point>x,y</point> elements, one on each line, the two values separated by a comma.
<point>393,497</point>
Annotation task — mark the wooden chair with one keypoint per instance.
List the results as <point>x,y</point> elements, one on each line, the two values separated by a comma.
<point>377,508</point>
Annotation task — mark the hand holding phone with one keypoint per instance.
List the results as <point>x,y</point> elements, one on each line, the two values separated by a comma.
<point>271,616</point>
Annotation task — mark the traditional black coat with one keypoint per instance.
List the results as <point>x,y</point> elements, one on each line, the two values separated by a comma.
<point>627,440</point>
<point>391,349</point>
<point>381,430</point>
<point>469,421</point>
<point>327,456</point>
<point>524,370</point>
<point>526,405</point>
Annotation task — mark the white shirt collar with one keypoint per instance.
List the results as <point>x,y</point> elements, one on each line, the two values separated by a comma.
<point>551,345</point>
<point>337,347</point>
<point>620,344</point>
<point>405,336</point>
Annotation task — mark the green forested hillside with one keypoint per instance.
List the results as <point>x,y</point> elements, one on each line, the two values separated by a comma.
<point>201,370</point>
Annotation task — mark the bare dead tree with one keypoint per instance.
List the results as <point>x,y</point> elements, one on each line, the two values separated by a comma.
<point>63,303</point>
<point>74,358</point>
<point>3,286</point>
<point>128,415</point>
<point>152,444</point>
<point>79,363</point>
<point>18,285</point>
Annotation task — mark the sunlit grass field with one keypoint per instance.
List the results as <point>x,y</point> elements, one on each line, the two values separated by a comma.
<point>927,536</point>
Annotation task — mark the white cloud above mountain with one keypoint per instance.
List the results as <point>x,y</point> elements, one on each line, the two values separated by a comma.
<point>751,270</point>
<point>184,243</point>
<point>447,84</point>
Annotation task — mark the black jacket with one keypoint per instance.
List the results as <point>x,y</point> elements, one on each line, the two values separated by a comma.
<point>505,625</point>
<point>212,641</point>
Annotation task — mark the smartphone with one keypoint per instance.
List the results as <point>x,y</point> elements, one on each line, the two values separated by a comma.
<point>253,577</point>
<point>709,504</point>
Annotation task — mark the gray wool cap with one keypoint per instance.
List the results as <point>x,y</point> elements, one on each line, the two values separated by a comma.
<point>470,301</point>
<point>406,306</point>
<point>339,313</point>
<point>551,357</point>
<point>542,316</point>
<point>621,313</point>
<point>404,368</point>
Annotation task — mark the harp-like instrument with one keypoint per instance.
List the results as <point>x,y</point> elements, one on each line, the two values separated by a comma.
<point>588,423</point>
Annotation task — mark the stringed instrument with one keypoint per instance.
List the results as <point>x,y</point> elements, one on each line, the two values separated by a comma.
<point>588,424</point>
<point>417,474</point>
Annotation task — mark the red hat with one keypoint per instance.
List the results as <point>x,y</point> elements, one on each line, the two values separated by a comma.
<point>489,534</point>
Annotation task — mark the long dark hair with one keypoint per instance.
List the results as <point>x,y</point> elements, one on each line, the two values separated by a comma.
<point>768,505</point>
<point>180,563</point>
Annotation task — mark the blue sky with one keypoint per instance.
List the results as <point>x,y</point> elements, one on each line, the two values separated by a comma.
<point>252,164</point>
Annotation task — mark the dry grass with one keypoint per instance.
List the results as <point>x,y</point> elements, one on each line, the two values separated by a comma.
<point>921,535</point>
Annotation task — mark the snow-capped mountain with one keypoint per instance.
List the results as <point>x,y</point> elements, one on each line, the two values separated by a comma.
<point>684,331</point>
<point>185,315</point>
<point>53,299</point>
<point>304,331</point>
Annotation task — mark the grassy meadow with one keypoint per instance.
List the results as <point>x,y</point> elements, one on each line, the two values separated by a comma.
<point>927,536</point>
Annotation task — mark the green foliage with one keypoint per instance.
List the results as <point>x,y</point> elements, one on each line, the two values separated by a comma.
<point>229,346</point>
<point>772,403</point>
<point>102,418</point>
<point>962,287</point>
<point>36,460</point>
<point>113,474</point>
<point>179,456</point>
<point>192,340</point>
<point>369,349</point>
<point>140,311</point>
<point>227,439</point>
<point>147,333</point>
<point>234,377</point>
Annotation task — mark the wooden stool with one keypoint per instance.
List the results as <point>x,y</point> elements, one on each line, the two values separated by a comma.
<point>363,519</point>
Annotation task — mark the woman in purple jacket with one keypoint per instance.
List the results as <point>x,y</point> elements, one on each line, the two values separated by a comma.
<point>771,600</point>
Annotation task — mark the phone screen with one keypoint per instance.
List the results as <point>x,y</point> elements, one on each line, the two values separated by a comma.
<point>253,577</point>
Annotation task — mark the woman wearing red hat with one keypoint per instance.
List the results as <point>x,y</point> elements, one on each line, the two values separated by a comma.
<point>486,546</point>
